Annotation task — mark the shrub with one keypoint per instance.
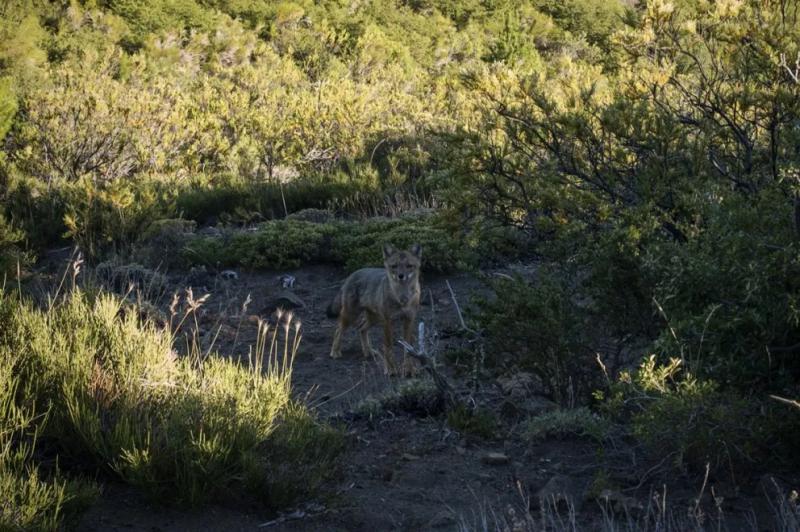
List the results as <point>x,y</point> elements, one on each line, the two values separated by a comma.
<point>35,209</point>
<point>418,397</point>
<point>159,242</point>
<point>478,422</point>
<point>282,244</point>
<point>30,499</point>
<point>122,277</point>
<point>360,244</point>
<point>229,199</point>
<point>279,244</point>
<point>11,253</point>
<point>580,422</point>
<point>112,214</point>
<point>615,278</point>
<point>301,455</point>
<point>694,423</point>
<point>536,328</point>
<point>730,297</point>
<point>183,429</point>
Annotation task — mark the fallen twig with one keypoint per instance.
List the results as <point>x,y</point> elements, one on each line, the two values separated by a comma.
<point>791,402</point>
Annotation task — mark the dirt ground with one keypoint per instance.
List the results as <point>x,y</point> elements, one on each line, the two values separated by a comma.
<point>399,472</point>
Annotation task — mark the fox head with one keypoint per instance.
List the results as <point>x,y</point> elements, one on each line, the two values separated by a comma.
<point>402,268</point>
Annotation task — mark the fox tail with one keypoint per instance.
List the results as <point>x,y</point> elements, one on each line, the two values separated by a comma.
<point>335,307</point>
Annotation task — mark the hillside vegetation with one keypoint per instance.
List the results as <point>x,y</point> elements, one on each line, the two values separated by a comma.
<point>646,155</point>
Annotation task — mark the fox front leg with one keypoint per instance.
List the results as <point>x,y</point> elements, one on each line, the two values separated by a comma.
<point>409,365</point>
<point>388,341</point>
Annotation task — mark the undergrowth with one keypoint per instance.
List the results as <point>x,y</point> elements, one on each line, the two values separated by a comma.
<point>122,402</point>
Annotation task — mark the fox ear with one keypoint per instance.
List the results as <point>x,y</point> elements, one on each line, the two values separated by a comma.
<point>416,250</point>
<point>388,251</point>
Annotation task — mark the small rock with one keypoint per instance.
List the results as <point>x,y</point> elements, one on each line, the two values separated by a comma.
<point>254,319</point>
<point>286,299</point>
<point>495,459</point>
<point>460,450</point>
<point>229,275</point>
<point>287,281</point>
<point>409,457</point>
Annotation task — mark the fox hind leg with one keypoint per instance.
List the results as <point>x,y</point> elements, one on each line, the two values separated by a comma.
<point>341,326</point>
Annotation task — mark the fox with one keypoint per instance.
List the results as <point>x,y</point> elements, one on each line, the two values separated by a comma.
<point>371,296</point>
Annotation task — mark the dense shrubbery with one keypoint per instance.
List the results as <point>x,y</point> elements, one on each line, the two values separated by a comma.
<point>536,327</point>
<point>289,243</point>
<point>122,401</point>
<point>107,109</point>
<point>690,422</point>
<point>33,497</point>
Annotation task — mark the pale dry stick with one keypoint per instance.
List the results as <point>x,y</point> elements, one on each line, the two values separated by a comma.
<point>790,402</point>
<point>603,367</point>
<point>458,308</point>
<point>794,72</point>
<point>19,279</point>
<point>427,362</point>
<point>702,490</point>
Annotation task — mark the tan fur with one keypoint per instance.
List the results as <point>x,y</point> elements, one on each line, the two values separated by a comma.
<point>373,296</point>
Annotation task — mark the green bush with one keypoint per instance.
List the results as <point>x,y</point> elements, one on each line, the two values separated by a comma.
<point>730,296</point>
<point>300,448</point>
<point>290,243</point>
<point>478,422</point>
<point>359,244</point>
<point>418,397</point>
<point>11,251</point>
<point>30,498</point>
<point>162,238</point>
<point>98,217</point>
<point>694,423</point>
<point>537,328</point>
<point>184,429</point>
<point>228,199</point>
<point>615,279</point>
<point>580,422</point>
<point>282,244</point>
